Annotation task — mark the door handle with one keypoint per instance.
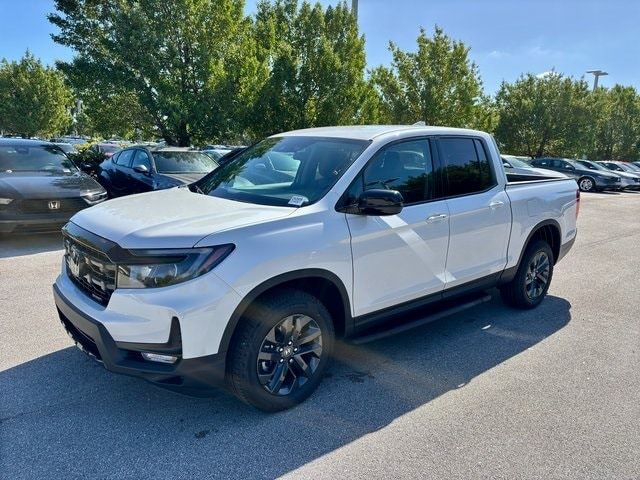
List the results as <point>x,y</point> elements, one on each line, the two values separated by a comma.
<point>436,218</point>
<point>496,204</point>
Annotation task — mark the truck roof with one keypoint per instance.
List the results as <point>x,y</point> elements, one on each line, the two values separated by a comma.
<point>369,132</point>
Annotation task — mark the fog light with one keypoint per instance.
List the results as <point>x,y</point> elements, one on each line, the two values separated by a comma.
<point>156,357</point>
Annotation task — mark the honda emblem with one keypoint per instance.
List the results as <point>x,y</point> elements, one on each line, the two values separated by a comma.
<point>54,205</point>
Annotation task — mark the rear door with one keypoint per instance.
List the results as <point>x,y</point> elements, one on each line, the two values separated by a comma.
<point>479,209</point>
<point>120,172</point>
<point>399,258</point>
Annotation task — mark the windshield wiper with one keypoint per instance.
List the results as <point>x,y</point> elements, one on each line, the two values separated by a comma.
<point>196,188</point>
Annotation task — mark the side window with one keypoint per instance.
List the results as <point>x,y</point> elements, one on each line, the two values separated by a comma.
<point>141,158</point>
<point>125,157</point>
<point>557,164</point>
<point>542,163</point>
<point>466,165</point>
<point>406,167</point>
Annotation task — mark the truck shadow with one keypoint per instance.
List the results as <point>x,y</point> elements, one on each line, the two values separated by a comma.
<point>64,413</point>
<point>20,245</point>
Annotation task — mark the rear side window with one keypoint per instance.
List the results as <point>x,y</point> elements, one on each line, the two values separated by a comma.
<point>125,157</point>
<point>466,166</point>
<point>543,162</point>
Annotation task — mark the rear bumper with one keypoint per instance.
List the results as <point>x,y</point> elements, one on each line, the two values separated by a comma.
<point>565,247</point>
<point>195,376</point>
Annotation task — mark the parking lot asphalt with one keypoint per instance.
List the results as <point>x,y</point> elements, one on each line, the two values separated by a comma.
<point>488,393</point>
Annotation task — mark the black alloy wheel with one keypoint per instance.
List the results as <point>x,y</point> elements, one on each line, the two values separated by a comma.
<point>537,277</point>
<point>289,355</point>
<point>531,282</point>
<point>280,350</point>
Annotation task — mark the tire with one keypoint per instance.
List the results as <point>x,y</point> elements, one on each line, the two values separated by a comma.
<point>266,329</point>
<point>587,184</point>
<point>523,291</point>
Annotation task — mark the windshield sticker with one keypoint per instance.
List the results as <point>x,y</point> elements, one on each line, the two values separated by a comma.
<point>298,200</point>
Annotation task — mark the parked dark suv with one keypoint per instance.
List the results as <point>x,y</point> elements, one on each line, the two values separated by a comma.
<point>142,169</point>
<point>40,188</point>
<point>588,180</point>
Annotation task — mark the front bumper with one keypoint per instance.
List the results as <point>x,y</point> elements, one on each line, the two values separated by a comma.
<point>609,183</point>
<point>195,376</point>
<point>28,224</point>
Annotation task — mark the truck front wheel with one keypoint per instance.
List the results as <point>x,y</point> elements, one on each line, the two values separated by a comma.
<point>281,350</point>
<point>531,283</point>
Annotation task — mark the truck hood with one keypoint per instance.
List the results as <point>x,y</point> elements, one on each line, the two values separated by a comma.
<point>173,218</point>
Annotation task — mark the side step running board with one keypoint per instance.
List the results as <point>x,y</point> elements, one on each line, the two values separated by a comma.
<point>421,321</point>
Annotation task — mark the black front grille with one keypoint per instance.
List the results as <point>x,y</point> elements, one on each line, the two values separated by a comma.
<point>56,205</point>
<point>84,341</point>
<point>90,269</point>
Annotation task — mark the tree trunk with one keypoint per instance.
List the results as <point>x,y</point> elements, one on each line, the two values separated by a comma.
<point>183,137</point>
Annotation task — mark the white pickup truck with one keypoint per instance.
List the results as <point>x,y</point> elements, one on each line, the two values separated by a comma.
<point>246,277</point>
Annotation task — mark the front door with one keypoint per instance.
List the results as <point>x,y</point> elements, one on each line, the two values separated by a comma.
<point>402,257</point>
<point>140,182</point>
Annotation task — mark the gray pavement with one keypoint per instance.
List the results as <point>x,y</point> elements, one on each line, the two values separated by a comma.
<point>488,393</point>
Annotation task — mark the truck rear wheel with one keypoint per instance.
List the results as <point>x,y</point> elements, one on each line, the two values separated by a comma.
<point>281,350</point>
<point>531,283</point>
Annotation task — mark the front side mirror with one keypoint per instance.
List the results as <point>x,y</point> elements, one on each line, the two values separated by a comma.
<point>506,164</point>
<point>141,169</point>
<point>380,202</point>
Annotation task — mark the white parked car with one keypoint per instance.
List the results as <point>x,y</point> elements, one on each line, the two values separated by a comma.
<point>246,277</point>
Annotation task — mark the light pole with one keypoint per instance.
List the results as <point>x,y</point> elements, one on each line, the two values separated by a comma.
<point>596,75</point>
<point>354,8</point>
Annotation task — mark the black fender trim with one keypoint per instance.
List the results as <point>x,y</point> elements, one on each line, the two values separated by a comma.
<point>509,273</point>
<point>302,274</point>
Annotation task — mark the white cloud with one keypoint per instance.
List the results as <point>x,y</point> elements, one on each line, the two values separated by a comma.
<point>545,74</point>
<point>497,54</point>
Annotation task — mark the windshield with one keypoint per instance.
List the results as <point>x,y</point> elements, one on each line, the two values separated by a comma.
<point>283,171</point>
<point>626,167</point>
<point>23,158</point>
<point>213,154</point>
<point>633,168</point>
<point>66,147</point>
<point>183,162</point>
<point>518,163</point>
<point>591,165</point>
<point>613,166</point>
<point>109,147</point>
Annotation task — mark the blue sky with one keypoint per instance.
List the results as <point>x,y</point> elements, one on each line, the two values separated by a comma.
<point>507,37</point>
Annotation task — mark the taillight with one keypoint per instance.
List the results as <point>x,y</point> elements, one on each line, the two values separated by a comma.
<point>577,202</point>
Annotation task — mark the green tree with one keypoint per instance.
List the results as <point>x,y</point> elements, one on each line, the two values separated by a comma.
<point>543,115</point>
<point>117,114</point>
<point>314,61</point>
<point>183,61</point>
<point>615,124</point>
<point>34,99</point>
<point>437,84</point>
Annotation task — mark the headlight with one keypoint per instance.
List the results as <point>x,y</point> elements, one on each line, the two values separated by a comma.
<point>94,197</point>
<point>5,201</point>
<point>161,268</point>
